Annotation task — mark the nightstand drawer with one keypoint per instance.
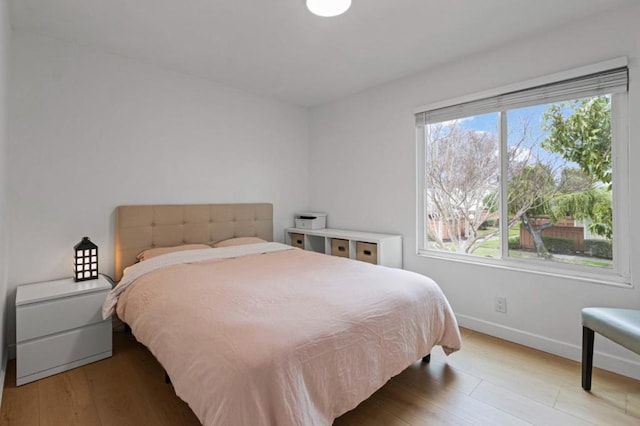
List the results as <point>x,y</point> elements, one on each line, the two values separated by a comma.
<point>367,252</point>
<point>50,352</point>
<point>53,316</point>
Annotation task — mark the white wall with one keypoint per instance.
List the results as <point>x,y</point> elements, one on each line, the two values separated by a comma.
<point>362,172</point>
<point>91,131</point>
<point>5,33</point>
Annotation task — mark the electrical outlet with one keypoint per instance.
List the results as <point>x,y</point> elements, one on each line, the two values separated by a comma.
<point>501,304</point>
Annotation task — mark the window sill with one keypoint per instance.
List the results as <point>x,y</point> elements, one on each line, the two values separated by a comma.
<point>577,274</point>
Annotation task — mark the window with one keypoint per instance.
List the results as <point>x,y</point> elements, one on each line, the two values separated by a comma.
<point>532,177</point>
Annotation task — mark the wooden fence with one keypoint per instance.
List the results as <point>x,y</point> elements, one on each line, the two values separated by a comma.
<point>575,233</point>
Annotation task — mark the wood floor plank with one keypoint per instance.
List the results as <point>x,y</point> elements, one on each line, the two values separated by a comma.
<point>120,397</point>
<point>564,373</point>
<point>115,407</point>
<point>172,408</point>
<point>463,406</point>
<point>633,404</point>
<point>370,413</point>
<point>523,408</point>
<point>20,405</point>
<point>414,410</point>
<point>593,408</point>
<point>69,398</point>
<point>489,382</point>
<point>614,382</point>
<point>510,376</point>
<point>441,375</point>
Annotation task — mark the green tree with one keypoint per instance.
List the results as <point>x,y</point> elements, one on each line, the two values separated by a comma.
<point>583,200</point>
<point>584,136</point>
<point>594,204</point>
<point>573,179</point>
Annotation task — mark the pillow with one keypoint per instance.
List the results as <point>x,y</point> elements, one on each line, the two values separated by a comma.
<point>148,254</point>
<point>238,241</point>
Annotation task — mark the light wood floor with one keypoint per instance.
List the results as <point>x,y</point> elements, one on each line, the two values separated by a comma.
<point>490,382</point>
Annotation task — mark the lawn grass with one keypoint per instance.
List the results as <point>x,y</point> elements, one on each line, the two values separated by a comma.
<point>491,248</point>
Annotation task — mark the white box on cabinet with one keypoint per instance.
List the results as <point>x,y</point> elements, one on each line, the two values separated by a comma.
<point>311,220</point>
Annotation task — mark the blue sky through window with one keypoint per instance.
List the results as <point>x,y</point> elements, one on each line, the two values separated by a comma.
<point>516,119</point>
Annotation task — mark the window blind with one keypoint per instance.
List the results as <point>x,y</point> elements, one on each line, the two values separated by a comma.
<point>601,83</point>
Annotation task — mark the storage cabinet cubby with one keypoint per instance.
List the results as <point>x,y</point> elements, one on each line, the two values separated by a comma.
<point>379,249</point>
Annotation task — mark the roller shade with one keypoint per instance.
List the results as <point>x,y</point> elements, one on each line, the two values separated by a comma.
<point>601,83</point>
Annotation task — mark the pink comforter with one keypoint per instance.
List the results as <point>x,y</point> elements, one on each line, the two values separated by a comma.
<point>284,338</point>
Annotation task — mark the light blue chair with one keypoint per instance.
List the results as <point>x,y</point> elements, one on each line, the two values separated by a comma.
<point>620,325</point>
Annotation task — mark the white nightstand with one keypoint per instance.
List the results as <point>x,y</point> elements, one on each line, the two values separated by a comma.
<point>59,326</point>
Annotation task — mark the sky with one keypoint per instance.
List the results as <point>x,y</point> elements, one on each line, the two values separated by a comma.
<point>515,117</point>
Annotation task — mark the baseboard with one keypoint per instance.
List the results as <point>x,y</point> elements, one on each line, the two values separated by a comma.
<point>3,370</point>
<point>602,360</point>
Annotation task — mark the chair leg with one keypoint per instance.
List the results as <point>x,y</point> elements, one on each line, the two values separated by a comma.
<point>587,357</point>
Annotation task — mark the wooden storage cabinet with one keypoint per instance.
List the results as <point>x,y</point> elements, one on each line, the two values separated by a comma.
<point>59,326</point>
<point>379,249</point>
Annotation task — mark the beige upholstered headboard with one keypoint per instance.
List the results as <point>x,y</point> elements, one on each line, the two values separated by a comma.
<point>142,227</point>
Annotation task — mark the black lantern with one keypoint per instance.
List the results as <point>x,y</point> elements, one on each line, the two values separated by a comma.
<point>85,260</point>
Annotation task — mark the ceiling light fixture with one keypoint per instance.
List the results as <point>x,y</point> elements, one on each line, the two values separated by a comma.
<point>328,8</point>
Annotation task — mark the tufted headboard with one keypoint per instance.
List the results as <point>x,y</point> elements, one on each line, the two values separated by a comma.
<point>142,227</point>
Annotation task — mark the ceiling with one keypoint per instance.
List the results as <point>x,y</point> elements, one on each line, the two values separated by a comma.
<point>278,49</point>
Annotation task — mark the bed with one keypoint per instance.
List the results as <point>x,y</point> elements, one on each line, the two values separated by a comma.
<point>263,333</point>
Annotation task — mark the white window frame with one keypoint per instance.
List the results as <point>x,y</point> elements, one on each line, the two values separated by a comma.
<point>619,275</point>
